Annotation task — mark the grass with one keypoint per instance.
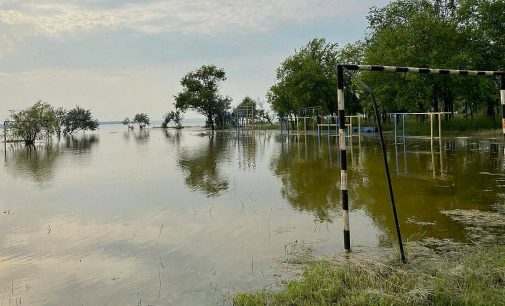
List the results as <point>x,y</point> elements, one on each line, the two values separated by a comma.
<point>477,278</point>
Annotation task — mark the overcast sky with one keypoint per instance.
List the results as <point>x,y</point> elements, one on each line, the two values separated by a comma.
<point>120,57</point>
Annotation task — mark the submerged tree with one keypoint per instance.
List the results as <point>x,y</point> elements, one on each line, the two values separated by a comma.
<point>175,116</point>
<point>79,119</point>
<point>142,119</point>
<point>60,114</point>
<point>31,123</point>
<point>201,93</point>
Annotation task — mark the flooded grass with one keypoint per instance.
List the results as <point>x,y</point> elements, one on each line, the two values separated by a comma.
<point>439,272</point>
<point>477,278</point>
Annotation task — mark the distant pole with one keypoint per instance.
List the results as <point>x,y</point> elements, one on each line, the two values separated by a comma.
<point>350,129</point>
<point>431,126</point>
<point>502,95</point>
<point>403,127</point>
<point>394,116</point>
<point>343,157</point>
<point>359,126</point>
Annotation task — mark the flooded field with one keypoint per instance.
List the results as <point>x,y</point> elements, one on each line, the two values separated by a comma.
<point>184,218</point>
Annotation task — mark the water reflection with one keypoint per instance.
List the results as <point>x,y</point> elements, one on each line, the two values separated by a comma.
<point>39,162</point>
<point>141,136</point>
<point>201,165</point>
<point>174,137</point>
<point>80,144</point>
<point>309,175</point>
<point>36,162</point>
<point>429,178</point>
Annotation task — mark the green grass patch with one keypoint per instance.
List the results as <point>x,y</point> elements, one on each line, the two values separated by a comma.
<point>477,278</point>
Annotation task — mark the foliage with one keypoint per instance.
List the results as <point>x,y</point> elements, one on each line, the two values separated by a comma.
<point>306,79</point>
<point>79,119</point>
<point>464,34</point>
<point>31,123</point>
<point>201,93</point>
<point>126,121</point>
<point>473,279</point>
<point>425,33</point>
<point>175,116</point>
<point>142,119</point>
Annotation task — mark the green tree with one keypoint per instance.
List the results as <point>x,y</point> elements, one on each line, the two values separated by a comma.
<point>142,119</point>
<point>126,121</point>
<point>306,79</point>
<point>37,120</point>
<point>444,34</point>
<point>201,93</point>
<point>79,119</point>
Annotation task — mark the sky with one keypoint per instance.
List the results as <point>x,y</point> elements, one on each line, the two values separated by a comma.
<point>121,57</point>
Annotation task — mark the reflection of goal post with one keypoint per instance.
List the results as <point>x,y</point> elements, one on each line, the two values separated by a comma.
<point>341,115</point>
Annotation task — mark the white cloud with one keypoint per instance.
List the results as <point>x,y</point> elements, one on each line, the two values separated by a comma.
<point>200,16</point>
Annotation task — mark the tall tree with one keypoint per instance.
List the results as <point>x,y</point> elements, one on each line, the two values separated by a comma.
<point>201,93</point>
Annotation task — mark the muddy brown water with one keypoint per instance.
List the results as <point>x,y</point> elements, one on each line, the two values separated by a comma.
<point>185,218</point>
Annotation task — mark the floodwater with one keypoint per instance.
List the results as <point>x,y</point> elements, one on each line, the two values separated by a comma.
<point>185,218</point>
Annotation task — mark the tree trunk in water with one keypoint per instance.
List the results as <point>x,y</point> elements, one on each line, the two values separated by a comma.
<point>490,108</point>
<point>211,123</point>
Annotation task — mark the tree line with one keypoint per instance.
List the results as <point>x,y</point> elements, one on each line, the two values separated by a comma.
<point>460,34</point>
<point>465,34</point>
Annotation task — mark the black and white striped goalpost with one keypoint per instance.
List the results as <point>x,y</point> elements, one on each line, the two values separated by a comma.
<point>343,157</point>
<point>341,117</point>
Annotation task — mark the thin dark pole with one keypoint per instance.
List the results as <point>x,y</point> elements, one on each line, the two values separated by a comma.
<point>388,176</point>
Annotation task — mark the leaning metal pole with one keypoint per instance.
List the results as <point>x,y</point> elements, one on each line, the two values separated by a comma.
<point>343,157</point>
<point>388,175</point>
